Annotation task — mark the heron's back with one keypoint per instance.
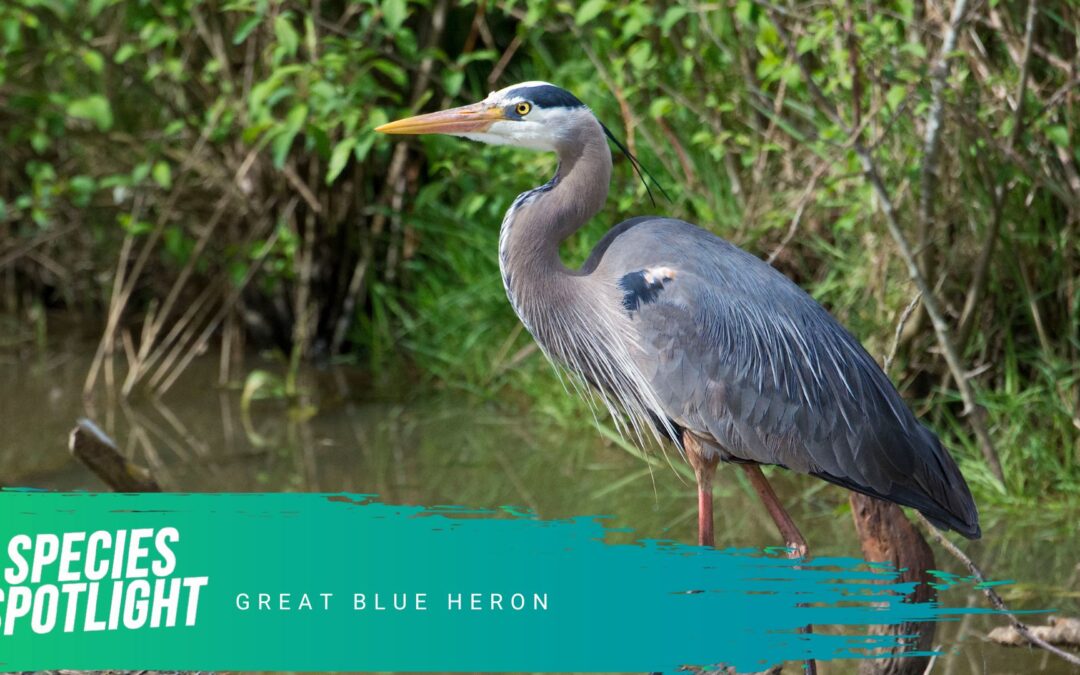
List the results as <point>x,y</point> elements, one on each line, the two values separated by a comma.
<point>744,359</point>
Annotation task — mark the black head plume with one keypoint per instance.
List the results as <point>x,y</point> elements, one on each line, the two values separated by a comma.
<point>641,171</point>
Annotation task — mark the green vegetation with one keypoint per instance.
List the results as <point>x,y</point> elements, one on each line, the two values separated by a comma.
<point>196,172</point>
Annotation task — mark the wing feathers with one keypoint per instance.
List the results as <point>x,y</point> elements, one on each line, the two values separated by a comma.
<point>738,353</point>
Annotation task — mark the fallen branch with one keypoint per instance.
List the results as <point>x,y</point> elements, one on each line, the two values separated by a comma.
<point>1019,626</point>
<point>1059,631</point>
<point>98,452</point>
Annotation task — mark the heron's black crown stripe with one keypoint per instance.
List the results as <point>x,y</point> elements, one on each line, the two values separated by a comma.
<point>549,96</point>
<point>639,289</point>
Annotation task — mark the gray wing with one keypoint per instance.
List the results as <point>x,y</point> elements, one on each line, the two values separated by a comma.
<point>742,357</point>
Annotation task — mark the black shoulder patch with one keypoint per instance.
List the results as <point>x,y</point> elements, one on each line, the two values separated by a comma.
<point>642,287</point>
<point>549,96</point>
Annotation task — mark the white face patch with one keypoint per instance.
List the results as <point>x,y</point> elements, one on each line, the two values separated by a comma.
<point>539,129</point>
<point>525,133</point>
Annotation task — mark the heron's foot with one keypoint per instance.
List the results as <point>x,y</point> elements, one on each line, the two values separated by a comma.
<point>799,549</point>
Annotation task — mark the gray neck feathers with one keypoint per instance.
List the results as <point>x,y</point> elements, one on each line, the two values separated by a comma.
<point>541,219</point>
<point>575,317</point>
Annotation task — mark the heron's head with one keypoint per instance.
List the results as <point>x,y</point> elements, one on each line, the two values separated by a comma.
<point>534,115</point>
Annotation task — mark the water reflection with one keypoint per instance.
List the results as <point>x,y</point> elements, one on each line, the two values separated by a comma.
<point>346,434</point>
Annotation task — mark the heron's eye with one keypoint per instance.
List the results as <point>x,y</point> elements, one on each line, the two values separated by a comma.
<point>523,108</point>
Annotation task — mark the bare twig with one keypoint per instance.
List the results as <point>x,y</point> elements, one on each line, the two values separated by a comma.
<point>114,314</point>
<point>161,384</point>
<point>991,594</point>
<point>153,323</point>
<point>15,253</point>
<point>680,152</point>
<point>928,178</point>
<point>904,316</point>
<point>504,61</point>
<point>800,209</point>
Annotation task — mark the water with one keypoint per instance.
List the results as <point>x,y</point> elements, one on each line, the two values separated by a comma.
<point>437,447</point>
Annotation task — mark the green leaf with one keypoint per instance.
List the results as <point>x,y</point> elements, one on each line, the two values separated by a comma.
<point>9,31</point>
<point>895,96</point>
<point>245,28</point>
<point>124,53</point>
<point>589,10</point>
<point>140,172</point>
<point>363,146</point>
<point>284,140</point>
<point>671,17</point>
<point>173,128</point>
<point>97,5</point>
<point>640,55</point>
<point>162,175</point>
<point>311,36</point>
<point>82,190</point>
<point>452,81</point>
<point>1059,135</point>
<point>287,36</point>
<point>364,143</point>
<point>661,106</point>
<point>133,227</point>
<point>914,48</point>
<point>93,108</point>
<point>394,13</point>
<point>93,60</point>
<point>40,142</point>
<point>339,158</point>
<point>395,72</point>
<point>744,12</point>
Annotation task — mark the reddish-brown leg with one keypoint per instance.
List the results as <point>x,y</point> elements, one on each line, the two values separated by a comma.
<point>793,539</point>
<point>704,470</point>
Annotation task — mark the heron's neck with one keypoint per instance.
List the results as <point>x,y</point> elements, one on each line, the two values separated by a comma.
<point>541,219</point>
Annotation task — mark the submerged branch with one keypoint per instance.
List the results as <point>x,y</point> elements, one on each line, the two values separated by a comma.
<point>98,452</point>
<point>995,599</point>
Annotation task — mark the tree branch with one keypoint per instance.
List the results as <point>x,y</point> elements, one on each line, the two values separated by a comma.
<point>992,595</point>
<point>928,179</point>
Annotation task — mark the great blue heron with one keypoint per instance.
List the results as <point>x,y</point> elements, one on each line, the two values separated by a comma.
<point>693,338</point>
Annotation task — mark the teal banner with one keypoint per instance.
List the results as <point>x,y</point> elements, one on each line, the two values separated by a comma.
<point>344,582</point>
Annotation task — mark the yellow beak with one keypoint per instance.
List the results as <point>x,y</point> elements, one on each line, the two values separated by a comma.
<point>467,118</point>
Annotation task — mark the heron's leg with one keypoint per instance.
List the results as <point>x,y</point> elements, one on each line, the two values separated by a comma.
<point>793,539</point>
<point>788,530</point>
<point>704,470</point>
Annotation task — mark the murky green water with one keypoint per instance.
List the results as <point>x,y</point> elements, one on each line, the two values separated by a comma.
<point>439,448</point>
